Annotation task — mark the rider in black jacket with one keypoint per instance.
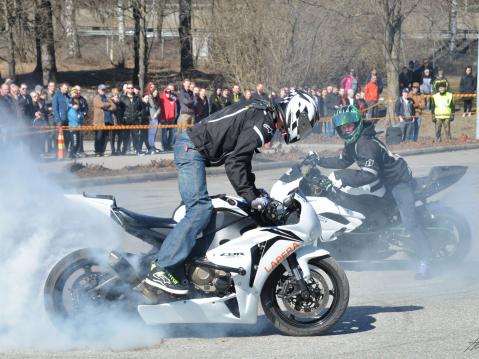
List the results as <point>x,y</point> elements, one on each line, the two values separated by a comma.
<point>379,170</point>
<point>230,137</point>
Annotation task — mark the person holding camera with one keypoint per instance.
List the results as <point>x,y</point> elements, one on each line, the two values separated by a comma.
<point>168,115</point>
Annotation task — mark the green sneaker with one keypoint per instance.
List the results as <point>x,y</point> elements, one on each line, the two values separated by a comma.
<point>164,280</point>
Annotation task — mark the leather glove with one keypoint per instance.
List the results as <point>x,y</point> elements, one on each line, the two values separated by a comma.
<point>311,159</point>
<point>262,192</point>
<point>325,184</point>
<point>260,203</point>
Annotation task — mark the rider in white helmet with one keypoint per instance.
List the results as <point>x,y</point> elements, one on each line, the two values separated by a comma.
<point>230,137</point>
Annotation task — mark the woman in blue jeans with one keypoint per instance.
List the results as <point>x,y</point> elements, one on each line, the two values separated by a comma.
<point>155,111</point>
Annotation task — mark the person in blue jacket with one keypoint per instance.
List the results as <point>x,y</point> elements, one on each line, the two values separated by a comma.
<point>75,119</point>
<point>60,105</point>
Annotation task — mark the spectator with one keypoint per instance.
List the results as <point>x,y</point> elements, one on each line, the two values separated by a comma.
<point>412,73</point>
<point>168,105</point>
<point>342,96</point>
<point>404,110</point>
<point>144,121</point>
<point>419,102</point>
<point>468,85</point>
<point>425,65</point>
<point>130,112</point>
<point>259,94</point>
<point>154,108</point>
<point>225,98</point>
<point>404,78</point>
<point>442,109</point>
<point>236,95</point>
<point>371,96</point>
<point>203,107</point>
<point>114,137</point>
<point>26,105</point>
<point>440,79</point>
<point>17,103</point>
<point>75,119</point>
<point>39,141</point>
<point>331,104</point>
<point>350,100</point>
<point>84,109</point>
<point>52,142</point>
<point>284,91</point>
<point>60,105</point>
<point>215,101</point>
<point>426,85</point>
<point>248,95</point>
<point>379,80</point>
<point>361,103</point>
<point>350,81</point>
<point>187,107</point>
<point>103,110</point>
<point>5,100</point>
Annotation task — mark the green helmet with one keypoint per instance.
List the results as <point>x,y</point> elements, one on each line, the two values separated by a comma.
<point>348,115</point>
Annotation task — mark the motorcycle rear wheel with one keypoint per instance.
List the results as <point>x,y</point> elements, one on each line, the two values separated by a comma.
<point>449,235</point>
<point>290,314</point>
<point>72,297</point>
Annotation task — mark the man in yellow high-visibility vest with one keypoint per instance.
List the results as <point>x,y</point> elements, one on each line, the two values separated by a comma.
<point>442,109</point>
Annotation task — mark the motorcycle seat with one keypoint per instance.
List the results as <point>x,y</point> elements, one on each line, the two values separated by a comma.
<point>141,220</point>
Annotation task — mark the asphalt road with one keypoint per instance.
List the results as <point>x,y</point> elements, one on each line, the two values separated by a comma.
<point>390,314</point>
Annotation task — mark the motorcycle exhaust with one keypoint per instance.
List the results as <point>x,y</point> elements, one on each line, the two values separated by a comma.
<point>123,268</point>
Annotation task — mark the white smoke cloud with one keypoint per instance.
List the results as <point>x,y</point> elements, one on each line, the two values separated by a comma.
<point>38,226</point>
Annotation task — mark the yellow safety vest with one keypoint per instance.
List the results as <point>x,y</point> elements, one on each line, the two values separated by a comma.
<point>442,105</point>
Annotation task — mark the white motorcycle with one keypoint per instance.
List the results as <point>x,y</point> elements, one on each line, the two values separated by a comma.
<point>369,226</point>
<point>242,257</point>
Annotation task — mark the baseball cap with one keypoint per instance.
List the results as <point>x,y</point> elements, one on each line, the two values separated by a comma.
<point>102,87</point>
<point>405,90</point>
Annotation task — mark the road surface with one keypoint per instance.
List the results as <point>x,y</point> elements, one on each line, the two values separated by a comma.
<point>390,314</point>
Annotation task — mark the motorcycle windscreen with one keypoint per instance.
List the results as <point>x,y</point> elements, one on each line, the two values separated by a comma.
<point>439,178</point>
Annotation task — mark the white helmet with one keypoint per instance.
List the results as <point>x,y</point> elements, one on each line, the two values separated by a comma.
<point>300,111</point>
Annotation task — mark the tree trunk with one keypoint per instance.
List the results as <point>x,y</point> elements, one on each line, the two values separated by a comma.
<point>49,68</point>
<point>120,62</point>
<point>73,47</point>
<point>9,20</point>
<point>186,53</point>
<point>393,18</point>
<point>136,41</point>
<point>452,27</point>
<point>143,47</point>
<point>37,25</point>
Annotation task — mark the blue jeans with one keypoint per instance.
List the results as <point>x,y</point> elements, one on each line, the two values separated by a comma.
<point>416,126</point>
<point>404,197</point>
<point>152,134</point>
<point>406,129</point>
<point>190,166</point>
<point>167,137</point>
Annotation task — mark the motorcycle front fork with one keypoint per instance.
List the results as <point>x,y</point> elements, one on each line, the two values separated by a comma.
<point>293,265</point>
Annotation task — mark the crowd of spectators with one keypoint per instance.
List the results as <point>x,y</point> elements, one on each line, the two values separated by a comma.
<point>64,105</point>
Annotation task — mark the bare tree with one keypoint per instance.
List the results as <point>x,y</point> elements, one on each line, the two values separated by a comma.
<point>37,25</point>
<point>186,48</point>
<point>9,20</point>
<point>120,8</point>
<point>73,46</point>
<point>49,67</point>
<point>452,26</point>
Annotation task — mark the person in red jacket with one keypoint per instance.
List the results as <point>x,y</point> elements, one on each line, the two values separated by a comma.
<point>169,111</point>
<point>371,95</point>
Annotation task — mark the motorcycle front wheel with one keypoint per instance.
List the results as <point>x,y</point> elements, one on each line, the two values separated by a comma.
<point>293,315</point>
